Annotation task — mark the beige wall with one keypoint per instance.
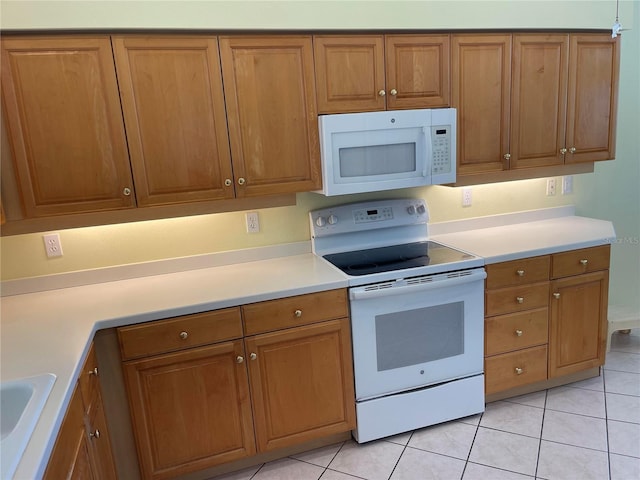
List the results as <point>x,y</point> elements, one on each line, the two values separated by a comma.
<point>610,193</point>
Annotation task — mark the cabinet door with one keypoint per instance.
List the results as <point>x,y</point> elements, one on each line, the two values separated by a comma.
<point>349,73</point>
<point>301,383</point>
<point>65,124</point>
<point>578,323</point>
<point>538,101</point>
<point>173,106</point>
<point>417,71</point>
<point>592,103</point>
<point>100,443</point>
<point>190,409</point>
<point>271,112</point>
<point>70,458</point>
<point>481,91</point>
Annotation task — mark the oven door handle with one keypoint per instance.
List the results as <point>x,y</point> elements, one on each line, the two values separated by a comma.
<point>403,286</point>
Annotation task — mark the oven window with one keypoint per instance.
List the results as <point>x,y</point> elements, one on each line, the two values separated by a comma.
<point>414,337</point>
<point>377,160</point>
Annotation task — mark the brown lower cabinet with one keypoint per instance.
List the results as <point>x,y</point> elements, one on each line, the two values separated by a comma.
<point>83,447</point>
<point>202,394</point>
<point>531,337</point>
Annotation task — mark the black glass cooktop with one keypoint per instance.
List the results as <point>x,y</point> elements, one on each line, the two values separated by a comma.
<point>395,257</point>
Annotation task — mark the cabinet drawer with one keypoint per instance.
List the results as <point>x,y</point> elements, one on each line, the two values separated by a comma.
<point>294,311</point>
<point>179,333</point>
<point>516,299</point>
<point>580,261</point>
<point>518,272</point>
<point>514,331</point>
<point>515,369</point>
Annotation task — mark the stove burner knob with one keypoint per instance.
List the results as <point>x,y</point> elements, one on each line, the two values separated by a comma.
<point>420,209</point>
<point>332,219</point>
<point>321,221</point>
<point>411,209</point>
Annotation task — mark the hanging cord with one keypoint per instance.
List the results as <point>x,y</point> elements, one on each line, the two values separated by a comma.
<point>615,30</point>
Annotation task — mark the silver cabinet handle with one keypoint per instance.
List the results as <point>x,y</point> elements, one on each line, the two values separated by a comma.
<point>519,371</point>
<point>95,434</point>
<point>584,262</point>
<point>520,273</point>
<point>298,313</point>
<point>393,92</point>
<point>227,182</point>
<point>239,359</point>
<point>93,372</point>
<point>520,299</point>
<point>556,295</point>
<point>241,181</point>
<point>253,356</point>
<point>507,156</point>
<point>184,335</point>
<point>382,93</point>
<point>572,150</point>
<point>518,333</point>
<point>126,191</point>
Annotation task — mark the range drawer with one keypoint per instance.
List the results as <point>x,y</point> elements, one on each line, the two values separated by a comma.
<point>516,299</point>
<point>518,272</point>
<point>515,369</point>
<point>575,262</point>
<point>178,333</point>
<point>514,331</point>
<point>294,311</point>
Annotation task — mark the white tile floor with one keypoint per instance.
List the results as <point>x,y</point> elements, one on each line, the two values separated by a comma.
<point>586,430</point>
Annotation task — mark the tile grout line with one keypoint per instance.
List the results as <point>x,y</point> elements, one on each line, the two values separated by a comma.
<point>400,457</point>
<point>606,418</point>
<point>466,463</point>
<point>544,412</point>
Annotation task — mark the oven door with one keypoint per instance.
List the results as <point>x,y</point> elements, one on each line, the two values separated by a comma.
<point>416,332</point>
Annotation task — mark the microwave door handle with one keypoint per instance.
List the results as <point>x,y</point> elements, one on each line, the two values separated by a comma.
<point>426,168</point>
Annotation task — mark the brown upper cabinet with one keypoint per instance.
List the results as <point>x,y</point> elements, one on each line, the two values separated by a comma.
<point>65,119</point>
<point>360,73</point>
<point>481,87</point>
<point>173,105</point>
<point>271,112</point>
<point>65,124</point>
<point>533,100</point>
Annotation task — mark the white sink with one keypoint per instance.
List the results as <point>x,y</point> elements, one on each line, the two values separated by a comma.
<point>21,404</point>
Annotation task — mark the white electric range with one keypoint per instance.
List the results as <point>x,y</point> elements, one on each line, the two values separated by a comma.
<point>417,315</point>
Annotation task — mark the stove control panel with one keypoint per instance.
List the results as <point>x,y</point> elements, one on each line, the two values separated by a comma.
<point>365,216</point>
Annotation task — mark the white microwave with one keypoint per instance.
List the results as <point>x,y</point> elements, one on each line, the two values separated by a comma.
<point>372,151</point>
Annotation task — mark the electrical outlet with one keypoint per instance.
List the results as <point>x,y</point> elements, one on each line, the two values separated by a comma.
<point>466,197</point>
<point>567,184</point>
<point>52,245</point>
<point>253,224</point>
<point>551,187</point>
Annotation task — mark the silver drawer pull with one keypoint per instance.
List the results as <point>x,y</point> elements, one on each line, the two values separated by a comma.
<point>518,333</point>
<point>519,371</point>
<point>520,273</point>
<point>520,299</point>
<point>239,359</point>
<point>184,335</point>
<point>93,372</point>
<point>584,262</point>
<point>556,295</point>
<point>95,434</point>
<point>253,356</point>
<point>298,313</point>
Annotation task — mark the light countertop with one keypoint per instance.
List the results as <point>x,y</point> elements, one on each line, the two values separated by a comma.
<point>50,331</point>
